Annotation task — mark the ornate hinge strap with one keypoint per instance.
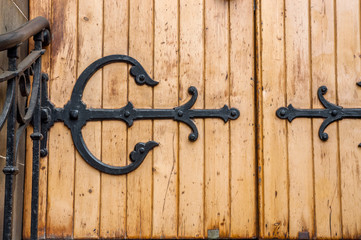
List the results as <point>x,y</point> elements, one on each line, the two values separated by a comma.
<point>75,115</point>
<point>331,113</point>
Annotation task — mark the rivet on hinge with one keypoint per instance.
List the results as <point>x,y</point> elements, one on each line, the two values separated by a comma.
<point>303,235</point>
<point>213,234</point>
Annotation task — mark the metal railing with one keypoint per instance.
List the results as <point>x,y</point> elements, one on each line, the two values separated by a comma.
<point>18,78</point>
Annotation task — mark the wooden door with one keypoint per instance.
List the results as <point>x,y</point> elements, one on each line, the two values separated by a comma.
<point>183,189</point>
<point>308,187</point>
<point>257,176</point>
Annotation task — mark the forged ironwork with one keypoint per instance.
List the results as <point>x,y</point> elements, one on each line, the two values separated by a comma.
<point>331,113</point>
<point>17,116</point>
<point>75,115</point>
<point>42,114</point>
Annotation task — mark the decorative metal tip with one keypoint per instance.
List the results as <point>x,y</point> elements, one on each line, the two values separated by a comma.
<point>282,112</point>
<point>141,150</point>
<point>141,77</point>
<point>234,113</point>
<point>192,137</point>
<point>192,90</point>
<point>323,90</point>
<point>286,113</point>
<point>324,136</point>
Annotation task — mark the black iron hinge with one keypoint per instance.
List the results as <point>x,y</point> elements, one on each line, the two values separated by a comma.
<point>330,113</point>
<point>75,115</point>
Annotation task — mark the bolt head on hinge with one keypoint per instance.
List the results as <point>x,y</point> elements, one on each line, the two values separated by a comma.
<point>126,113</point>
<point>43,152</point>
<point>45,115</point>
<point>74,114</point>
<point>334,113</point>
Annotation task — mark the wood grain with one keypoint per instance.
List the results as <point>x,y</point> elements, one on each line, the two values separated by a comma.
<point>114,133</point>
<point>242,131</point>
<point>191,154</point>
<point>348,74</point>
<point>300,154</point>
<point>140,182</point>
<point>87,178</point>
<point>59,218</point>
<point>182,189</point>
<point>274,188</point>
<point>165,163</point>
<point>217,171</point>
<point>258,29</point>
<point>326,161</point>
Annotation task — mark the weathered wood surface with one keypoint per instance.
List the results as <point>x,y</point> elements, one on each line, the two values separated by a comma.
<point>182,189</point>
<point>307,185</point>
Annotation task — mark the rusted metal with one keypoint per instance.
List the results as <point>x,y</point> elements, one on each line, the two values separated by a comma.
<point>18,117</point>
<point>24,65</point>
<point>26,31</point>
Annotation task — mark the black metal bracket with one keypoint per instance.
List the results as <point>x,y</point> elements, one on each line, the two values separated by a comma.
<point>75,115</point>
<point>331,113</point>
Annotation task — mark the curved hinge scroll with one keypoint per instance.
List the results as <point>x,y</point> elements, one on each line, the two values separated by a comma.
<point>75,115</point>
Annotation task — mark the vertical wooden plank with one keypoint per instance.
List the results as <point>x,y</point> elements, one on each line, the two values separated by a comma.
<point>348,73</point>
<point>59,220</point>
<point>87,179</point>
<point>191,169</point>
<point>274,188</point>
<point>139,188</point>
<point>114,133</point>
<point>327,194</point>
<point>258,28</point>
<point>300,164</point>
<point>37,8</point>
<point>243,177</point>
<point>217,193</point>
<point>165,166</point>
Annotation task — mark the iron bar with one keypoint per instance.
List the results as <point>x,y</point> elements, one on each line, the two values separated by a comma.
<point>10,170</point>
<point>36,137</point>
<point>23,65</point>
